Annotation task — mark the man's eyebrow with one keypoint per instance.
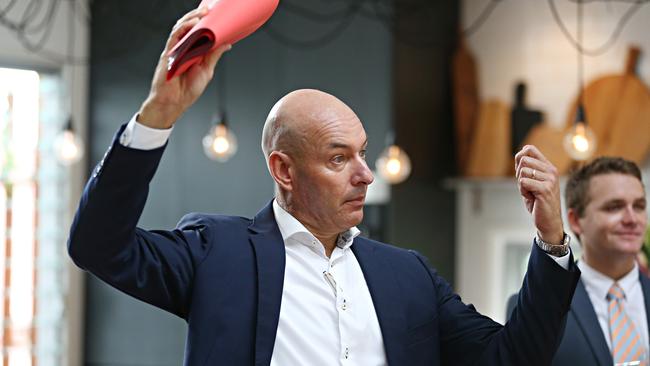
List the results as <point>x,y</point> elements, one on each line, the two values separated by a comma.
<point>613,201</point>
<point>620,200</point>
<point>341,145</point>
<point>337,145</point>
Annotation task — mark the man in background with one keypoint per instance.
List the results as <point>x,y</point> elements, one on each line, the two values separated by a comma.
<point>608,320</point>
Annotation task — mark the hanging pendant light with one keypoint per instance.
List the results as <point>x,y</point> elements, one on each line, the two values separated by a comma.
<point>68,147</point>
<point>220,144</point>
<point>580,141</point>
<point>393,164</point>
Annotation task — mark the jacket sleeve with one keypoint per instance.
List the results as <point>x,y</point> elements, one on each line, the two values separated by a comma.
<point>534,331</point>
<point>154,266</point>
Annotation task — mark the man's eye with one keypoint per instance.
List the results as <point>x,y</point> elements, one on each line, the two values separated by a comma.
<point>363,154</point>
<point>338,159</point>
<point>612,208</point>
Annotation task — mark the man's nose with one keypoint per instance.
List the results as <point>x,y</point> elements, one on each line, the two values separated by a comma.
<point>629,215</point>
<point>363,174</point>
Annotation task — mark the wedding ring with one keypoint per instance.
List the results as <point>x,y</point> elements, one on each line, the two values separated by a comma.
<point>534,171</point>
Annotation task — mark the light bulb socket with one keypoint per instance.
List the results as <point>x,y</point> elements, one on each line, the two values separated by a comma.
<point>219,118</point>
<point>222,116</point>
<point>580,115</point>
<point>69,126</point>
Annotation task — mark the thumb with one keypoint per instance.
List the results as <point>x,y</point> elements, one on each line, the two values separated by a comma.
<point>212,58</point>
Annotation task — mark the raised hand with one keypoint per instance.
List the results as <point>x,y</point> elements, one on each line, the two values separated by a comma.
<point>168,100</point>
<point>539,185</point>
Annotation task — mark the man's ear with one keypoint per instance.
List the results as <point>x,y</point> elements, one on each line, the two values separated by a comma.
<point>281,168</point>
<point>574,222</point>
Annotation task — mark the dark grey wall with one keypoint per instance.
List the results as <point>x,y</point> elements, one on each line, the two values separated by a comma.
<point>127,37</point>
<point>422,211</point>
<point>402,79</point>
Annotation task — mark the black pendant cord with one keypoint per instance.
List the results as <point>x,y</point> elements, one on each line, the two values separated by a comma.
<point>71,48</point>
<point>221,93</point>
<point>580,112</point>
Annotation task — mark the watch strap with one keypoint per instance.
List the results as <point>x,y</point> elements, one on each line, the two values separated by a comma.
<point>557,250</point>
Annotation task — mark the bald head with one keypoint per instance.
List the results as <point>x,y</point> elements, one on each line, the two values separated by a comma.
<point>291,119</point>
<point>315,148</point>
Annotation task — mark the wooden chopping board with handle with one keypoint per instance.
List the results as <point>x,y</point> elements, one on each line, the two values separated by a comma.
<point>489,153</point>
<point>617,108</point>
<point>466,102</point>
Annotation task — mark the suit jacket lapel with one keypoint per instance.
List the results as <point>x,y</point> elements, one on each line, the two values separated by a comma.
<point>384,290</point>
<point>583,310</point>
<point>270,257</point>
<point>645,287</point>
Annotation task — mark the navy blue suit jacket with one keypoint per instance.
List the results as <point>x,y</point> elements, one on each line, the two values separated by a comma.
<point>583,341</point>
<point>224,275</point>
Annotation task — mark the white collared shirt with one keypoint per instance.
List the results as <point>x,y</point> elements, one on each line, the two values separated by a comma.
<point>597,286</point>
<point>327,316</point>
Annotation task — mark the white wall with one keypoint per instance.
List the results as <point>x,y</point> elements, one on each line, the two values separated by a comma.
<point>520,41</point>
<point>15,55</point>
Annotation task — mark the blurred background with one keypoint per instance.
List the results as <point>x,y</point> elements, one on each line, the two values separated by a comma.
<point>447,90</point>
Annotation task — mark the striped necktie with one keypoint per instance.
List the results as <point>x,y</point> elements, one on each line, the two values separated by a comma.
<point>626,342</point>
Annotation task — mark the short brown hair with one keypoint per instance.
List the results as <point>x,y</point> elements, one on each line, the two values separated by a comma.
<point>577,187</point>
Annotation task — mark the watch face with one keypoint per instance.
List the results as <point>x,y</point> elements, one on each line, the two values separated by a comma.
<point>558,250</point>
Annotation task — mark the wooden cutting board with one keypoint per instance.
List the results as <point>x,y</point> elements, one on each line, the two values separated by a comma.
<point>466,101</point>
<point>489,152</point>
<point>617,108</point>
<point>548,139</point>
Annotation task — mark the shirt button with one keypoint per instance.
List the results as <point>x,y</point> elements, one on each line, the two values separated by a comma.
<point>345,305</point>
<point>347,352</point>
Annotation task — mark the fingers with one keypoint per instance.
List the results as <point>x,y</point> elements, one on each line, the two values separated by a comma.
<point>538,183</point>
<point>196,13</point>
<point>534,186</point>
<point>535,174</point>
<point>533,177</point>
<point>531,151</point>
<point>214,56</point>
<point>530,162</point>
<point>183,25</point>
<point>201,73</point>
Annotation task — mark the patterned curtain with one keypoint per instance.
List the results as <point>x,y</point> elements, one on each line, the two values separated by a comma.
<point>32,278</point>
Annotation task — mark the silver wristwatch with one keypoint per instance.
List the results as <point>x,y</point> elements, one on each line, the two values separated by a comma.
<point>557,250</point>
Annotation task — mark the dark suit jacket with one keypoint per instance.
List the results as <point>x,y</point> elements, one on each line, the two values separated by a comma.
<point>224,275</point>
<point>583,342</point>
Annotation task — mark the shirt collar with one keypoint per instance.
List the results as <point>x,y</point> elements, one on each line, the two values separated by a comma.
<point>291,228</point>
<point>599,283</point>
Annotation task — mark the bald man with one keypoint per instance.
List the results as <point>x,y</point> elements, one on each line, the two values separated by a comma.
<point>297,285</point>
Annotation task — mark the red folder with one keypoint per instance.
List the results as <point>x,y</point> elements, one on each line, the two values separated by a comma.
<point>226,22</point>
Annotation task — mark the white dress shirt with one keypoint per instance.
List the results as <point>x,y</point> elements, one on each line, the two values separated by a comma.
<point>327,316</point>
<point>138,136</point>
<point>597,286</point>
